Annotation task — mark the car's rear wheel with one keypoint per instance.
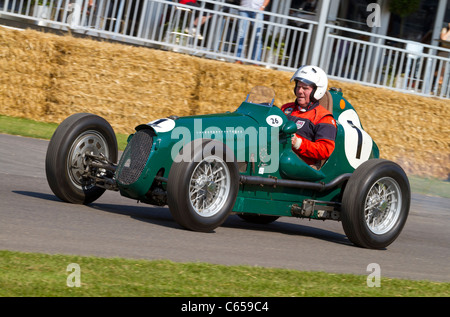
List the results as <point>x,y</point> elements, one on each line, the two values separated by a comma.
<point>202,189</point>
<point>65,162</point>
<point>375,204</point>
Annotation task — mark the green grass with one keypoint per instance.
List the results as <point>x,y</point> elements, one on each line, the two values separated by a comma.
<point>41,275</point>
<point>429,186</point>
<point>41,130</point>
<point>26,127</point>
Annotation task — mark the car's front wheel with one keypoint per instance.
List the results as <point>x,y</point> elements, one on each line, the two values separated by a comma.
<point>202,187</point>
<point>375,204</point>
<point>66,161</point>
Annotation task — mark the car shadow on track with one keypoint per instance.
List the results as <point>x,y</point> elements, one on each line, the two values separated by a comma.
<point>161,216</point>
<point>289,228</point>
<point>43,196</point>
<point>155,215</point>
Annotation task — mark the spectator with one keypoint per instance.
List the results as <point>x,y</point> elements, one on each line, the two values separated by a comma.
<point>203,18</point>
<point>247,12</point>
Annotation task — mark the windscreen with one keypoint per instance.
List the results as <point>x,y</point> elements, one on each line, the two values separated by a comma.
<point>261,95</point>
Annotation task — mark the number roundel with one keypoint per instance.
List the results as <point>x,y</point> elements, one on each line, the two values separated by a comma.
<point>357,143</point>
<point>274,120</point>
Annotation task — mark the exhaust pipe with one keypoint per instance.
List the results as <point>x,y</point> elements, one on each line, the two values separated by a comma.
<point>258,180</point>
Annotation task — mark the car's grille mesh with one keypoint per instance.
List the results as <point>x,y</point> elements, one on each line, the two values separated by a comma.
<point>134,157</point>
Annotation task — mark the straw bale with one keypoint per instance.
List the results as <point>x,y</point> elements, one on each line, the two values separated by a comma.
<point>46,77</point>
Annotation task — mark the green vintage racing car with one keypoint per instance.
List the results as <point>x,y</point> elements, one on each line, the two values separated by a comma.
<point>207,167</point>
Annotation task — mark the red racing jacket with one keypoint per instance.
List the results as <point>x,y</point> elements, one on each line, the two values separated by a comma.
<point>317,129</point>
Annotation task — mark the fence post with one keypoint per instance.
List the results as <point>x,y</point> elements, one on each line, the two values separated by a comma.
<point>317,45</point>
<point>325,52</point>
<point>76,13</point>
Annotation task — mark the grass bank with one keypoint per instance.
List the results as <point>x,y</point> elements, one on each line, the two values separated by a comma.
<point>41,275</point>
<point>40,130</point>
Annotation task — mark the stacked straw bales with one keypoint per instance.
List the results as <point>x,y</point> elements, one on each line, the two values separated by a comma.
<point>46,77</point>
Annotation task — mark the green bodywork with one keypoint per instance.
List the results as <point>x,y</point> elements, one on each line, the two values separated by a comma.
<point>261,150</point>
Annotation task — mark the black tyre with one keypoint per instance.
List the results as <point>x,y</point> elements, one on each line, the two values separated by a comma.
<point>259,219</point>
<point>375,204</point>
<point>202,185</point>
<point>65,161</point>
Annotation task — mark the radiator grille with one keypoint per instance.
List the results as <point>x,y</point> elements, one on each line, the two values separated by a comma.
<point>135,157</point>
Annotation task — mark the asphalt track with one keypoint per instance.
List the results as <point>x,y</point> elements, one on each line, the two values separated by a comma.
<point>32,219</point>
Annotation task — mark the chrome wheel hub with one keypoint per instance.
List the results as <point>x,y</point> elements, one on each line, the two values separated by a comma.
<point>89,142</point>
<point>382,206</point>
<point>209,186</point>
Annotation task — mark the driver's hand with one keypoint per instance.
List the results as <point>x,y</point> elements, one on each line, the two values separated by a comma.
<point>296,142</point>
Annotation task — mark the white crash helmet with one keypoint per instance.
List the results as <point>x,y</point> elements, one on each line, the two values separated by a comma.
<point>314,76</point>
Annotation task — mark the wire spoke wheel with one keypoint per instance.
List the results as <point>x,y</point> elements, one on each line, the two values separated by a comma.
<point>209,186</point>
<point>383,205</point>
<point>375,204</point>
<point>202,191</point>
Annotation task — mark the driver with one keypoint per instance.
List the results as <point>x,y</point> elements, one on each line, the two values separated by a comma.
<point>316,127</point>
